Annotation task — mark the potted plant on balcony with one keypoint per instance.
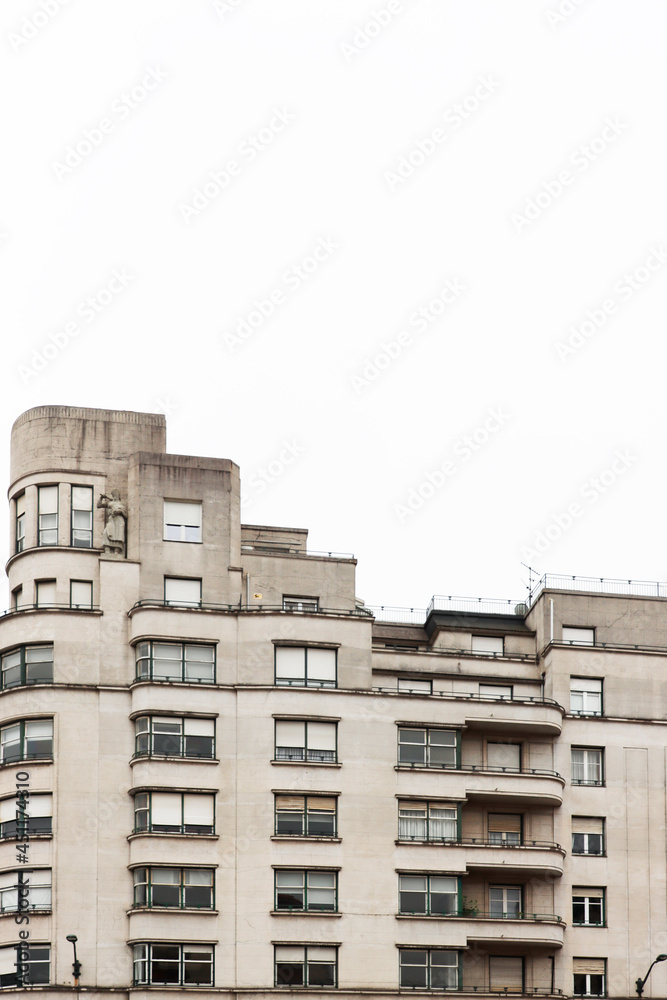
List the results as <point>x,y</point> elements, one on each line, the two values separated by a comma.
<point>469,907</point>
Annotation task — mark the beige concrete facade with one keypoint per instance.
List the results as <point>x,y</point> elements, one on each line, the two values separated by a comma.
<point>472,802</point>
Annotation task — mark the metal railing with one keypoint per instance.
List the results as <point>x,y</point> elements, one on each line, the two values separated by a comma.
<point>490,768</point>
<point>598,585</point>
<point>475,914</point>
<point>545,845</point>
<point>160,602</point>
<point>310,756</point>
<point>21,608</point>
<point>462,695</point>
<point>477,605</point>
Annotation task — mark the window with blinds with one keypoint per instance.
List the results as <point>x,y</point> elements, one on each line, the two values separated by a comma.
<point>588,835</point>
<point>586,696</point>
<point>413,685</point>
<point>26,740</point>
<point>23,815</point>
<point>588,906</point>
<point>45,593</point>
<point>503,691</point>
<point>306,815</point>
<point>182,521</point>
<point>493,645</point>
<point>34,887</point>
<point>305,666</point>
<point>81,525</point>
<point>81,594</point>
<point>427,821</point>
<point>170,736</point>
<point>174,812</point>
<point>47,515</point>
<point>589,977</point>
<point>503,756</point>
<point>506,973</point>
<point>578,636</point>
<point>306,740</point>
<point>505,828</point>
<point>20,523</point>
<point>181,592</point>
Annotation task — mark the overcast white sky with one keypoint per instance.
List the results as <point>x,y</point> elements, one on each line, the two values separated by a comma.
<point>498,166</point>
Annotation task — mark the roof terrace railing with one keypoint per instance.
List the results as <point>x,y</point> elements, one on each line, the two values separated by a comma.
<point>598,585</point>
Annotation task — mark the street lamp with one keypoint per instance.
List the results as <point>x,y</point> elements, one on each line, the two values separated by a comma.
<point>640,983</point>
<point>76,965</point>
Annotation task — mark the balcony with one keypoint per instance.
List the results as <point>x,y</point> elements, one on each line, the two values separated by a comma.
<point>489,859</point>
<point>503,787</point>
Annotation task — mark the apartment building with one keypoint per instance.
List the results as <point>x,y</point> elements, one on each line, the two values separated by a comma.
<point>222,772</point>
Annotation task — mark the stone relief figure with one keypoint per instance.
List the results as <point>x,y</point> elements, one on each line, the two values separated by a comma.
<point>114,531</point>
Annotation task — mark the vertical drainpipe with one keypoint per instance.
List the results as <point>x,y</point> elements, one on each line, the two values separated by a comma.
<point>551,614</point>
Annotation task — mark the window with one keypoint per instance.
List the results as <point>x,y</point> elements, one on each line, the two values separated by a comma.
<point>411,685</point>
<point>182,593</point>
<point>25,964</point>
<point>588,906</point>
<point>488,644</point>
<point>588,835</point>
<point>81,594</point>
<point>27,665</point>
<point>506,973</point>
<point>45,593</point>
<point>505,828</point>
<point>428,747</point>
<point>589,977</point>
<point>173,812</point>
<point>585,696</point>
<point>503,691</point>
<point>182,521</point>
<point>180,888</point>
<point>505,901</point>
<point>34,888</point>
<point>17,598</point>
<point>173,964</point>
<point>503,756</point>
<point>305,666</point>
<point>579,636</point>
<point>306,965</point>
<point>23,816</point>
<point>432,895</point>
<point>168,736</point>
<point>305,604</point>
<point>26,740</point>
<point>587,766</point>
<point>306,890</point>
<point>81,528</point>
<point>427,821</point>
<point>175,661</point>
<point>306,815</point>
<point>20,523</point>
<point>429,969</point>
<point>309,741</point>
<point>47,516</point>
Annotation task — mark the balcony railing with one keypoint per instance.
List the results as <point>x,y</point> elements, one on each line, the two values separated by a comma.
<point>21,608</point>
<point>470,696</point>
<point>598,585</point>
<point>545,845</point>
<point>301,754</point>
<point>160,602</point>
<point>472,913</point>
<point>490,769</point>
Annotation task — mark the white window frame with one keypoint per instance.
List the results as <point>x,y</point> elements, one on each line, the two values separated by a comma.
<point>194,591</point>
<point>591,765</point>
<point>572,636</point>
<point>586,696</point>
<point>590,897</point>
<point>34,885</point>
<point>42,527</point>
<point>311,741</point>
<point>83,531</point>
<point>81,595</point>
<point>310,666</point>
<point>45,589</point>
<point>488,645</point>
<point>578,825</point>
<point>183,521</point>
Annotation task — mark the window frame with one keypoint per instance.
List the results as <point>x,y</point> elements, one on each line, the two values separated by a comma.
<point>427,730</point>
<point>304,824</point>
<point>582,899</point>
<point>495,696</point>
<point>301,603</point>
<point>79,510</point>
<point>306,907</point>
<point>580,629</point>
<point>182,737</point>
<point>46,604</point>
<point>22,741</point>
<point>406,803</point>
<point>587,976</point>
<point>589,833</point>
<point>305,983</point>
<point>428,967</point>
<point>584,692</point>
<point>19,523</point>
<point>506,913</point>
<point>23,665</point>
<point>148,809</point>
<point>181,886</point>
<point>504,989</point>
<point>183,604</point>
<point>504,842</point>
<point>429,892</point>
<point>81,607</point>
<point>587,764</point>
<point>40,515</point>
<point>23,816</point>
<point>487,652</point>
<point>150,659</point>
<point>23,904</point>
<point>182,525</point>
<point>147,960</point>
<point>21,950</point>
<point>306,759</point>
<point>304,681</point>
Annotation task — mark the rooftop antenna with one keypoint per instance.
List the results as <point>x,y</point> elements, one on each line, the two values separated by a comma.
<point>531,572</point>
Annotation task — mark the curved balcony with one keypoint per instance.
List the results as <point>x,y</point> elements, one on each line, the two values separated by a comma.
<point>501,786</point>
<point>490,859</point>
<point>502,716</point>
